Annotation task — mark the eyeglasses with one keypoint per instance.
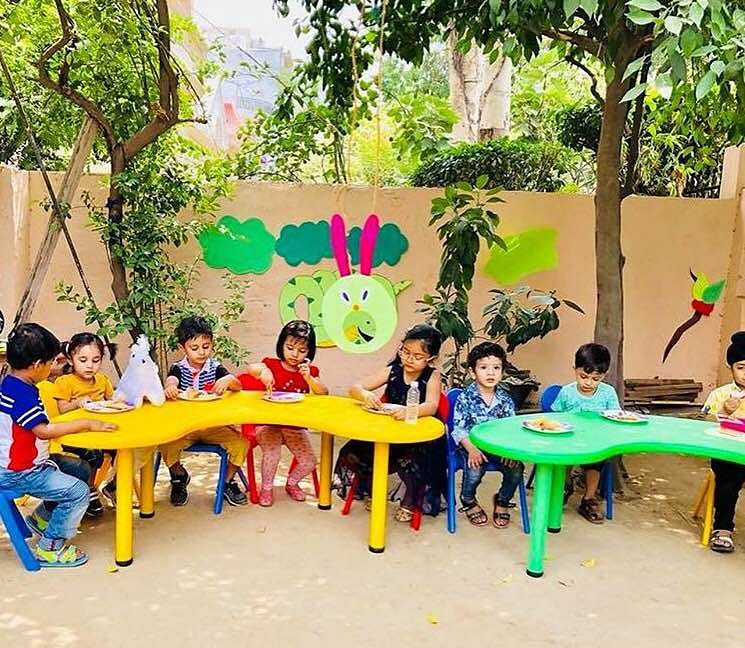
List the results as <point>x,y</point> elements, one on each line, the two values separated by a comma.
<point>417,357</point>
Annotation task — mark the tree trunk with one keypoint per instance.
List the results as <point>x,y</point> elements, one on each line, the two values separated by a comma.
<point>479,93</point>
<point>609,257</point>
<point>115,205</point>
<point>44,254</point>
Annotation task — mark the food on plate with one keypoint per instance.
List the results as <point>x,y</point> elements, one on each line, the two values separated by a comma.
<point>546,424</point>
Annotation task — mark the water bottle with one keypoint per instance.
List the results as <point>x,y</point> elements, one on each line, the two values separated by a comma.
<point>412,403</point>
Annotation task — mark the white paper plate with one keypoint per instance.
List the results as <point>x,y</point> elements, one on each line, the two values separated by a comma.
<point>619,416</point>
<point>107,407</point>
<point>565,427</point>
<point>284,397</point>
<point>204,397</point>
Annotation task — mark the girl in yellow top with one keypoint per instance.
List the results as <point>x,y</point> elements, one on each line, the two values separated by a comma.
<point>84,352</point>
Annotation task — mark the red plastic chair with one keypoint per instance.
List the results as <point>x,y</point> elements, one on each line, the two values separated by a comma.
<point>443,411</point>
<point>249,383</point>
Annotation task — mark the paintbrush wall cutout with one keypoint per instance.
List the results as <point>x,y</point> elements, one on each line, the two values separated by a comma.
<point>705,295</point>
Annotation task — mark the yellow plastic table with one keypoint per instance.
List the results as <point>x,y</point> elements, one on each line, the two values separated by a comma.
<point>331,415</point>
<point>592,439</point>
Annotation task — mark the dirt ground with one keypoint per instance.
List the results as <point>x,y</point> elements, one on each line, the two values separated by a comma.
<point>296,576</point>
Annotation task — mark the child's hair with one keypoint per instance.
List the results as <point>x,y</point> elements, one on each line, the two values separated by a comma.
<point>428,335</point>
<point>485,350</point>
<point>84,339</point>
<point>301,330</point>
<point>592,358</point>
<point>736,350</point>
<point>31,343</point>
<point>193,327</point>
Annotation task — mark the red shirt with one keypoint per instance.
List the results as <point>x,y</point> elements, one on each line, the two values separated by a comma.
<point>286,380</point>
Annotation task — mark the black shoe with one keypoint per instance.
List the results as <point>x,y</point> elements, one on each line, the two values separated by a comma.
<point>95,508</point>
<point>109,492</point>
<point>234,495</point>
<point>179,494</point>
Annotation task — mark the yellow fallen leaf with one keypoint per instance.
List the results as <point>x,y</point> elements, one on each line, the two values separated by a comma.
<point>589,563</point>
<point>113,569</point>
<point>506,579</point>
<point>431,618</point>
<point>548,557</point>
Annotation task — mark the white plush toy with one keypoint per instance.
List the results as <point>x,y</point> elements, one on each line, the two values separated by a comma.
<point>140,379</point>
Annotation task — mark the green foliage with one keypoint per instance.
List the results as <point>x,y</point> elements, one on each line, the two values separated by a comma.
<point>511,164</point>
<point>578,126</point>
<point>523,314</point>
<point>164,179</point>
<point>430,77</point>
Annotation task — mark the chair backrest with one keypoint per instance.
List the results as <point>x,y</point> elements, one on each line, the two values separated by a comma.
<point>549,396</point>
<point>452,396</point>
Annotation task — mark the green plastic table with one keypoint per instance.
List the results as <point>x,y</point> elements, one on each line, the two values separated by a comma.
<point>593,439</point>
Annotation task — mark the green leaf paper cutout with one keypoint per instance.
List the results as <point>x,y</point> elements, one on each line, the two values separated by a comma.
<point>529,252</point>
<point>241,247</point>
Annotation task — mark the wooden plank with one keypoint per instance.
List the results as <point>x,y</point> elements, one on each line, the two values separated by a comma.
<point>43,260</point>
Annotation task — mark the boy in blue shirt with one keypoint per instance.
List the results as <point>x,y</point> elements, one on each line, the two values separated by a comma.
<point>25,430</point>
<point>484,400</point>
<point>588,394</point>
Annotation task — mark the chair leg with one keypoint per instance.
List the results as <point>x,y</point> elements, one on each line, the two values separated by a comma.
<point>708,515</point>
<point>156,465</point>
<point>221,479</point>
<point>531,479</point>
<point>316,486</point>
<point>608,488</point>
<point>524,513</point>
<point>253,493</point>
<point>451,496</point>
<point>242,477</point>
<point>350,495</point>
<point>17,532</point>
<point>701,498</point>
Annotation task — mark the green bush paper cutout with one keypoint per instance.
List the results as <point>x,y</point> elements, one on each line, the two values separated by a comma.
<point>308,243</point>
<point>531,251</point>
<point>241,247</point>
<point>390,247</point>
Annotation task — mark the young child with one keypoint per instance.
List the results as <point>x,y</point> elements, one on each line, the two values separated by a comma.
<point>84,353</point>
<point>588,394</point>
<point>419,465</point>
<point>199,370</point>
<point>25,431</point>
<point>290,371</point>
<point>484,400</point>
<point>728,477</point>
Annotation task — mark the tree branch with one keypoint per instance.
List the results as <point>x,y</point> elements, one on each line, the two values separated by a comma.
<point>593,79</point>
<point>60,86</point>
<point>584,43</point>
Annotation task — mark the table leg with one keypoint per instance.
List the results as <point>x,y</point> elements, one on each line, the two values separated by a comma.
<point>379,498</point>
<point>147,487</point>
<point>124,474</point>
<point>556,505</point>
<point>327,457</point>
<point>539,523</point>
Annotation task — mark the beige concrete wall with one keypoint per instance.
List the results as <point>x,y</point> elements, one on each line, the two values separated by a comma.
<point>662,238</point>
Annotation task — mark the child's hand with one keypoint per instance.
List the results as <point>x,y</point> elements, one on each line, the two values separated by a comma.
<point>267,378</point>
<point>100,426</point>
<point>475,457</point>
<point>80,402</point>
<point>731,404</point>
<point>304,369</point>
<point>221,386</point>
<point>373,402</point>
<point>171,391</point>
<point>399,414</point>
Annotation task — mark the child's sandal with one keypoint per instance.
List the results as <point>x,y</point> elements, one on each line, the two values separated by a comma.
<point>475,514</point>
<point>404,514</point>
<point>501,520</point>
<point>589,510</point>
<point>722,542</point>
<point>266,497</point>
<point>64,557</point>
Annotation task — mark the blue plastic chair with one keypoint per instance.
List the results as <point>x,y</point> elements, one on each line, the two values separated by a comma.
<point>222,473</point>
<point>606,476</point>
<point>17,529</point>
<point>455,463</point>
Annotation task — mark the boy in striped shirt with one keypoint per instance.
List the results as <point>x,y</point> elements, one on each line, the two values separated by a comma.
<point>25,431</point>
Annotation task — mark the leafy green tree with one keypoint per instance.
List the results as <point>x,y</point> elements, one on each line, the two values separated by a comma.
<point>632,41</point>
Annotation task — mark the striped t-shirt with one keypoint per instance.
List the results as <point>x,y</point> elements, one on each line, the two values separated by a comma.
<point>20,411</point>
<point>203,378</point>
